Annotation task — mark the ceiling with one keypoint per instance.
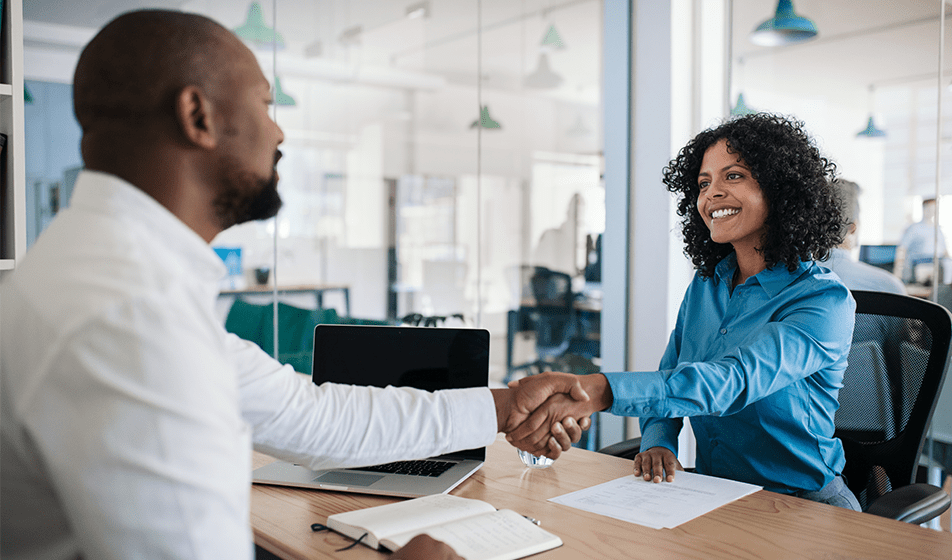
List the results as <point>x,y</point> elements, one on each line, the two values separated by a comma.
<point>861,42</point>
<point>443,44</point>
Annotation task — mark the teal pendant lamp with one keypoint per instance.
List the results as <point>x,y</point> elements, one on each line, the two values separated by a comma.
<point>741,108</point>
<point>256,32</point>
<point>871,130</point>
<point>27,96</point>
<point>552,40</point>
<point>484,120</point>
<point>784,28</point>
<point>281,98</point>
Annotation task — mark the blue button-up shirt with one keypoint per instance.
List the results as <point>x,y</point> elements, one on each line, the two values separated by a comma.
<point>757,371</point>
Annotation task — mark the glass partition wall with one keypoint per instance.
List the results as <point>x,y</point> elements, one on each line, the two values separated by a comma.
<point>439,156</point>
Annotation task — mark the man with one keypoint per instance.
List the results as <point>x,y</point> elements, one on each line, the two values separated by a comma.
<point>128,413</point>
<point>920,243</point>
<point>857,275</point>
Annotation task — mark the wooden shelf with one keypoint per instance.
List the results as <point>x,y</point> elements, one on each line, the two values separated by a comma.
<point>7,264</point>
<point>6,89</point>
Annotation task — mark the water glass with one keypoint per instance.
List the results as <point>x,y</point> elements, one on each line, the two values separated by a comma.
<point>535,461</point>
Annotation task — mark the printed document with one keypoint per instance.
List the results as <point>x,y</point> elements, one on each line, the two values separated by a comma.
<point>657,505</point>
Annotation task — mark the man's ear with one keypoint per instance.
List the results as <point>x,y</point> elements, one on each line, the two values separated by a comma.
<point>194,113</point>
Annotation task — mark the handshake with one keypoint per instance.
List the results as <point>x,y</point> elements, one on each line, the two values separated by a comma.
<point>545,414</point>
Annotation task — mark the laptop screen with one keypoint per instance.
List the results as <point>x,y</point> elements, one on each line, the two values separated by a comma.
<point>429,358</point>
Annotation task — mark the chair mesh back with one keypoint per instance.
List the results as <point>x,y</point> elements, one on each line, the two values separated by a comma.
<point>551,288</point>
<point>896,366</point>
<point>553,316</point>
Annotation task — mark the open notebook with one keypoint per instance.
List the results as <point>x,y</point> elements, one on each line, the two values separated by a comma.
<point>427,358</point>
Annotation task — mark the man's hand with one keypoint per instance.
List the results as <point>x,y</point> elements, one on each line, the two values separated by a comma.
<point>530,392</point>
<point>533,435</point>
<point>425,547</point>
<point>514,405</point>
<point>655,463</point>
<point>551,410</point>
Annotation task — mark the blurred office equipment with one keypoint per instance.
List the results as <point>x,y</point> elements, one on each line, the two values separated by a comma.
<point>881,256</point>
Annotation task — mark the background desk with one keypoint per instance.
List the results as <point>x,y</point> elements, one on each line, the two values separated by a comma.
<point>762,525</point>
<point>317,289</point>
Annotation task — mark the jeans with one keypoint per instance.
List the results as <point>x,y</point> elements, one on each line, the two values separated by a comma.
<point>835,493</point>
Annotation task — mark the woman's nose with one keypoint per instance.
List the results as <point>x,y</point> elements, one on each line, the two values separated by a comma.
<point>714,189</point>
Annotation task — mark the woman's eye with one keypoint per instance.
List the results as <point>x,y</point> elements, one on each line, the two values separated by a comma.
<point>733,176</point>
<point>703,184</point>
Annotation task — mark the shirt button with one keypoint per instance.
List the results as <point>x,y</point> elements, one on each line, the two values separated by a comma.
<point>646,409</point>
<point>723,331</point>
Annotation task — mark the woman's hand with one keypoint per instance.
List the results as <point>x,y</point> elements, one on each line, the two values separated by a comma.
<point>425,547</point>
<point>655,463</point>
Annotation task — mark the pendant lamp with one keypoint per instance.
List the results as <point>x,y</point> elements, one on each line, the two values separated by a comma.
<point>543,77</point>
<point>281,98</point>
<point>256,32</point>
<point>552,40</point>
<point>871,130</point>
<point>741,108</point>
<point>786,27</point>
<point>484,120</point>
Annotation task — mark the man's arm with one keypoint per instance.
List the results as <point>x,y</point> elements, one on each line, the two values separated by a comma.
<point>333,425</point>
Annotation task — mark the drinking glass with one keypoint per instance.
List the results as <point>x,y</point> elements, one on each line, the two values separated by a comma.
<point>535,461</point>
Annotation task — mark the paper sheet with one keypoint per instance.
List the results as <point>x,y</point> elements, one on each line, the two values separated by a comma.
<point>657,505</point>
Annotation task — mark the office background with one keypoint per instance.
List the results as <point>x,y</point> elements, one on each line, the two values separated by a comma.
<point>438,151</point>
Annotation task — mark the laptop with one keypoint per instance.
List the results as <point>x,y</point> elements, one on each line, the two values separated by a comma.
<point>430,358</point>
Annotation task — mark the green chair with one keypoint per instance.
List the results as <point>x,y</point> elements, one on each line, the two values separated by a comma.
<point>295,329</point>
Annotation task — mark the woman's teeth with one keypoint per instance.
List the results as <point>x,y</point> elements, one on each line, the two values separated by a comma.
<point>724,212</point>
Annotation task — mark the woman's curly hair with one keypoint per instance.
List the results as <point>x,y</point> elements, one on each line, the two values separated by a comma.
<point>804,220</point>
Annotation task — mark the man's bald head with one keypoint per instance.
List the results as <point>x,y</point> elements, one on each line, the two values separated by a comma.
<point>129,74</point>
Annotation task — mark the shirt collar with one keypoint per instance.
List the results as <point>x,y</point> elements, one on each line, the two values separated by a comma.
<point>99,192</point>
<point>773,280</point>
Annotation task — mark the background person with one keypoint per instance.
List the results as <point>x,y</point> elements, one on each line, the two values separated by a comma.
<point>761,341</point>
<point>920,243</point>
<point>857,275</point>
<point>128,412</point>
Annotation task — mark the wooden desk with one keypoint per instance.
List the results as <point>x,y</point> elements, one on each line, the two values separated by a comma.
<point>762,525</point>
<point>317,289</point>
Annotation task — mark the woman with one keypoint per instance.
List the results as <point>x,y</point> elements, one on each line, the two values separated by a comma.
<point>757,355</point>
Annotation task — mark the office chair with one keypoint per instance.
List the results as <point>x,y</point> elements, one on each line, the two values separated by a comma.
<point>295,328</point>
<point>901,379</point>
<point>552,318</point>
<point>897,365</point>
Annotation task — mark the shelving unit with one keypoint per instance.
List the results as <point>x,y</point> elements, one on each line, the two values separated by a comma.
<point>13,202</point>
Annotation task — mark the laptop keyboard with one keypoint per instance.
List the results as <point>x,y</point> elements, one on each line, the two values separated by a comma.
<point>415,468</point>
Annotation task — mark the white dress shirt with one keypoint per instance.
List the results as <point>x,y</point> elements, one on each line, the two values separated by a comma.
<point>858,275</point>
<point>129,413</point>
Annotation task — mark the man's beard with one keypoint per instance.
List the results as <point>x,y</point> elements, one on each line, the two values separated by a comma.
<point>244,197</point>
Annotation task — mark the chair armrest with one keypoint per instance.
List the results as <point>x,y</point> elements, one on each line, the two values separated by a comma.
<point>626,449</point>
<point>915,503</point>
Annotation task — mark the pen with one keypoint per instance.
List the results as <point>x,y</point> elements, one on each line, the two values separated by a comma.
<point>535,521</point>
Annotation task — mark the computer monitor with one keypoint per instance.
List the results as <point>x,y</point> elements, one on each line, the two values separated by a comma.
<point>882,256</point>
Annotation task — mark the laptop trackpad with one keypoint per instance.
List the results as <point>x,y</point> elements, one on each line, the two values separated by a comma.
<point>348,478</point>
